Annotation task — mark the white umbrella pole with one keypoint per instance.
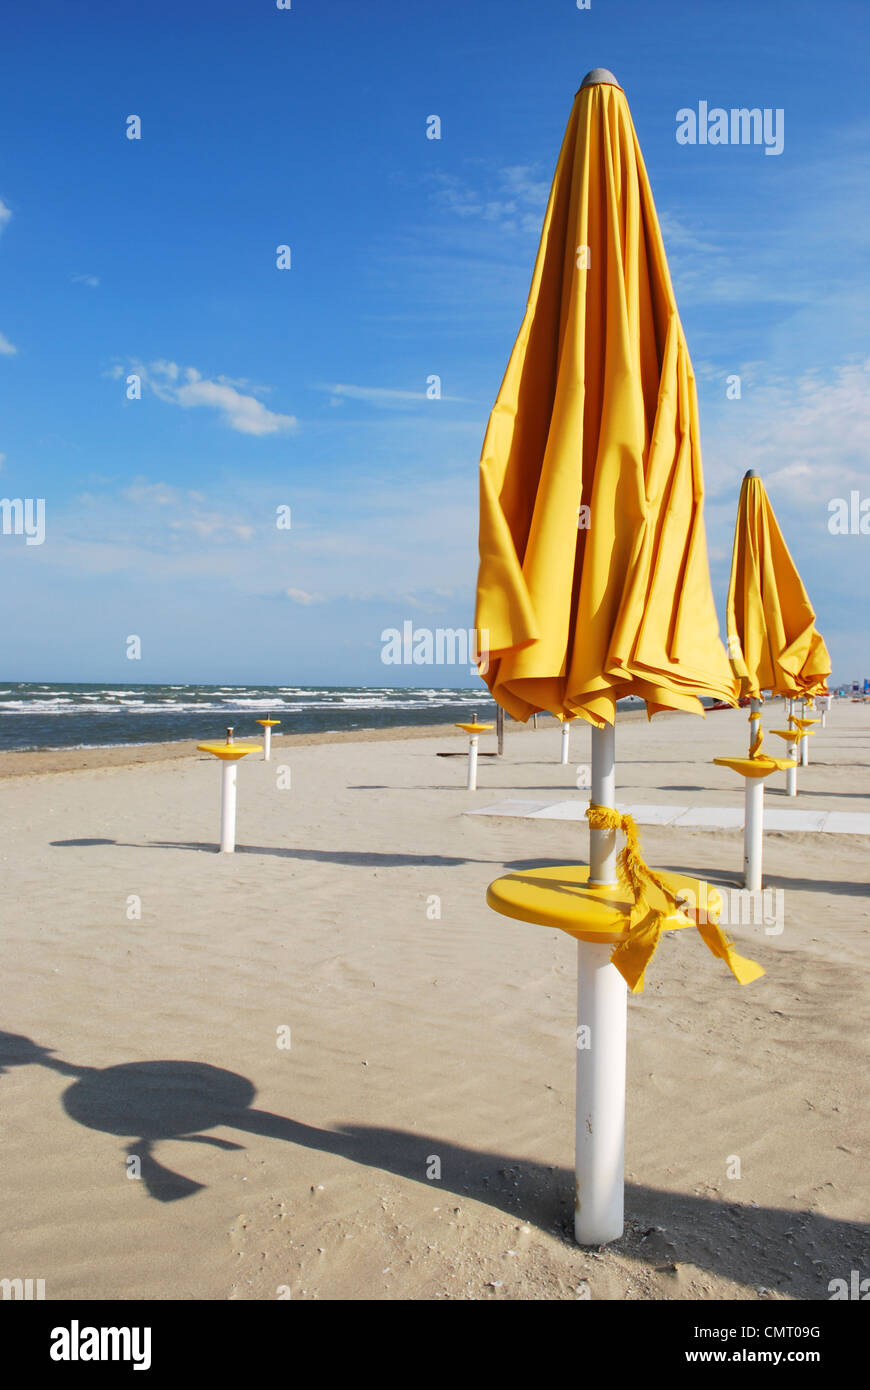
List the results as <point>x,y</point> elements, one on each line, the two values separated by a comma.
<point>602,843</point>
<point>471,784</point>
<point>753,817</point>
<point>805,752</point>
<point>228,807</point>
<point>752,832</point>
<point>566,739</point>
<point>267,744</point>
<point>602,1008</point>
<point>791,772</point>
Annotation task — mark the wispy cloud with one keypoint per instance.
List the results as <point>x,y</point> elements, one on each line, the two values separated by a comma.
<point>188,388</point>
<point>189,512</point>
<point>153,494</point>
<point>300,596</point>
<point>374,544</point>
<point>679,236</point>
<point>92,281</point>
<point>783,252</point>
<point>7,349</point>
<point>376,395</point>
<point>806,436</point>
<point>385,396</point>
<point>513,197</point>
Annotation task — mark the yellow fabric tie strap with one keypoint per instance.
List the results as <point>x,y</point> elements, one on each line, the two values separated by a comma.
<point>757,735</point>
<point>647,918</point>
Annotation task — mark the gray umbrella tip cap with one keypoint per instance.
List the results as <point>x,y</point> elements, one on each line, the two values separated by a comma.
<point>751,473</point>
<point>597,76</point>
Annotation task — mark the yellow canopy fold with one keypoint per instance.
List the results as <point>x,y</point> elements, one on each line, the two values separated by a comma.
<point>593,581</point>
<point>772,637</point>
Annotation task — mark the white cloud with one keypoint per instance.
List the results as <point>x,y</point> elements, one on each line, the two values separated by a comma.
<point>300,596</point>
<point>243,413</point>
<point>189,513</point>
<point>7,349</point>
<point>511,197</point>
<point>91,280</point>
<point>386,396</point>
<point>677,235</point>
<point>371,541</point>
<point>213,524</point>
<point>806,436</point>
<point>159,494</point>
<point>164,368</point>
<point>375,394</point>
<point>802,249</point>
<point>188,388</point>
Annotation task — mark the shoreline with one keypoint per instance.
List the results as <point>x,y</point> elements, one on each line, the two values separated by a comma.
<point>47,761</point>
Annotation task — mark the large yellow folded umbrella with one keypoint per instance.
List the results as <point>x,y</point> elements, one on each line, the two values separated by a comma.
<point>594,582</point>
<point>772,638</point>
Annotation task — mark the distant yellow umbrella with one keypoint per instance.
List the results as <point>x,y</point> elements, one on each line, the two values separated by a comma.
<point>772,638</point>
<point>594,582</point>
<point>773,645</point>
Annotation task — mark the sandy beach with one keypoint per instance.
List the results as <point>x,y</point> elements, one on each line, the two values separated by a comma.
<point>424,1031</point>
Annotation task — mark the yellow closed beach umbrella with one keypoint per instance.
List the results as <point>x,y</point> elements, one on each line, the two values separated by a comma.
<point>773,645</point>
<point>772,637</point>
<point>594,583</point>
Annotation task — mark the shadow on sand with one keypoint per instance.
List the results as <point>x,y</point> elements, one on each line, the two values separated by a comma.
<point>146,1102</point>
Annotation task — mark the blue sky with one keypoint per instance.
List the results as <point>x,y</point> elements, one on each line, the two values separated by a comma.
<point>410,258</point>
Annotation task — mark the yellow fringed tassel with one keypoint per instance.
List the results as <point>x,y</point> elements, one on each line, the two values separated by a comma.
<point>646,919</point>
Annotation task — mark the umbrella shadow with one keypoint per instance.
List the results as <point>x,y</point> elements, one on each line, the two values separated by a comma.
<point>362,858</point>
<point>733,878</point>
<point>857,796</point>
<point>178,1100</point>
<point>664,788</point>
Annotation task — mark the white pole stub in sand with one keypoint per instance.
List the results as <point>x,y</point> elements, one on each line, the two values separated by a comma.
<point>473,730</point>
<point>267,737</point>
<point>566,742</point>
<point>471,783</point>
<point>228,808</point>
<point>229,754</point>
<point>602,1009</point>
<point>791,772</point>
